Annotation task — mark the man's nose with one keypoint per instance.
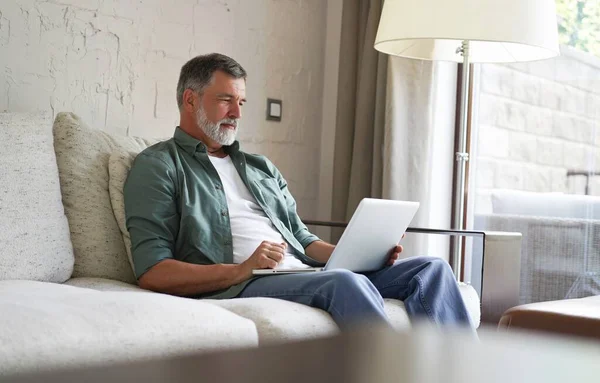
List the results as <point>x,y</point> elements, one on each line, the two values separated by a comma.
<point>235,111</point>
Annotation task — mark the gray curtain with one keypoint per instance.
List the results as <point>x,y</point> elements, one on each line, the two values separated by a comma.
<point>360,110</point>
<point>395,129</point>
<point>419,144</point>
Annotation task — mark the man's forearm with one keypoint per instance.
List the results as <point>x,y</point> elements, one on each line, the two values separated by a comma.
<point>186,279</point>
<point>319,251</point>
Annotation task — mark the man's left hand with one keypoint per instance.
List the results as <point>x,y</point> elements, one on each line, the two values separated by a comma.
<point>395,253</point>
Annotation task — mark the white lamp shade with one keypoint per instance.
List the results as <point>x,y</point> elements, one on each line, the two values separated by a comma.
<point>498,30</point>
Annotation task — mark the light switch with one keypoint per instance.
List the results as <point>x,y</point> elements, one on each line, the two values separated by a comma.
<point>274,110</point>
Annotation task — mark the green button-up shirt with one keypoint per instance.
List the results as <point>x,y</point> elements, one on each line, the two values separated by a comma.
<point>176,207</point>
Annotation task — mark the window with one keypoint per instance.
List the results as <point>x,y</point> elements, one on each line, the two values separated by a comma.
<point>579,24</point>
<point>538,159</point>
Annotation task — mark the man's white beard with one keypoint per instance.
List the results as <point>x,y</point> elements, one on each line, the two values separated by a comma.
<point>214,131</point>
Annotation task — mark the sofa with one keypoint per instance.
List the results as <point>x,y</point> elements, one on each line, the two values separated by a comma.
<point>560,256</point>
<point>68,295</point>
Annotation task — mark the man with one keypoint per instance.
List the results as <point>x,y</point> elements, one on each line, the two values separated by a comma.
<point>202,215</point>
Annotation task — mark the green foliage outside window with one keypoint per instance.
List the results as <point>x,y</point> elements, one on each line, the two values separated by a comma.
<point>579,24</point>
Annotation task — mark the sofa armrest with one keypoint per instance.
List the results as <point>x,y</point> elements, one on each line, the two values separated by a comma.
<point>495,271</point>
<point>500,272</point>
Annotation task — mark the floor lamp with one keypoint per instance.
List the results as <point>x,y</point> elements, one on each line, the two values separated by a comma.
<point>468,31</point>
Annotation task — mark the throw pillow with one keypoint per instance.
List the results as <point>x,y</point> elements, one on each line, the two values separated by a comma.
<point>119,165</point>
<point>34,232</point>
<point>82,155</point>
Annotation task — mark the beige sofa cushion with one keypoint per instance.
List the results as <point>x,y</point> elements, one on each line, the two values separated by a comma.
<point>472,302</point>
<point>279,321</point>
<point>34,234</point>
<point>46,325</point>
<point>82,155</point>
<point>276,320</point>
<point>102,284</point>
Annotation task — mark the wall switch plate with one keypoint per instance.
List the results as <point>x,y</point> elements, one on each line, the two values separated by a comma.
<point>274,110</point>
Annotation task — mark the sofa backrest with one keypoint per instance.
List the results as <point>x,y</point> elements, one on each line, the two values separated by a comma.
<point>34,232</point>
<point>534,204</point>
<point>560,257</point>
<point>82,155</point>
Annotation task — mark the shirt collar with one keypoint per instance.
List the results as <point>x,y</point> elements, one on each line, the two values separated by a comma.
<point>193,145</point>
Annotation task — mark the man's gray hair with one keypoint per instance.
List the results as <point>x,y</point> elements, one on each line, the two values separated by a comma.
<point>197,73</point>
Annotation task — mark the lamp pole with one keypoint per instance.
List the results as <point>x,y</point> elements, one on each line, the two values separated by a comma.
<point>461,157</point>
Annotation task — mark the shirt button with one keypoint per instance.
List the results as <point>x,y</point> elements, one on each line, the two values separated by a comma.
<point>218,187</point>
<point>224,213</point>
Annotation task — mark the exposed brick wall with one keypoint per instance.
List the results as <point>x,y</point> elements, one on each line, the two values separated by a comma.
<point>537,121</point>
<point>116,62</point>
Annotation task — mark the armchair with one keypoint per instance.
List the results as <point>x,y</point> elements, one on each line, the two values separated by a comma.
<point>561,241</point>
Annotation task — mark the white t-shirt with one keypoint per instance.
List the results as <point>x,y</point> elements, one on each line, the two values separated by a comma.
<point>249,223</point>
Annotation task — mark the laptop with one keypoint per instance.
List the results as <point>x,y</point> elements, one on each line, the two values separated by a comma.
<point>376,227</point>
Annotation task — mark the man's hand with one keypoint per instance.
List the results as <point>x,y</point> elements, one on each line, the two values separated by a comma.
<point>266,256</point>
<point>395,253</point>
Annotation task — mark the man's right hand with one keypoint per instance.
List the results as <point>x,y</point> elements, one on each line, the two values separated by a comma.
<point>266,256</point>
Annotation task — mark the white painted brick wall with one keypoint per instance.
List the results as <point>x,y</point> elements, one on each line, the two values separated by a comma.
<point>509,175</point>
<point>577,156</point>
<point>116,63</point>
<point>522,147</point>
<point>550,151</point>
<point>559,180</point>
<point>494,142</point>
<point>537,121</point>
<point>552,95</point>
<point>536,177</point>
<point>502,113</point>
<point>497,80</point>
<point>486,172</point>
<point>528,89</point>
<point>593,105</point>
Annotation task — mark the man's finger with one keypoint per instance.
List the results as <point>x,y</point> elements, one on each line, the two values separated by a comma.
<point>273,245</point>
<point>267,262</point>
<point>275,255</point>
<point>397,249</point>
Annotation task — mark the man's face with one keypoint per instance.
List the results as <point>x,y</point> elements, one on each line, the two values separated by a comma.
<point>221,108</point>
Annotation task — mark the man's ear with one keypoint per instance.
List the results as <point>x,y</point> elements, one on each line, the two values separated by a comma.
<point>190,100</point>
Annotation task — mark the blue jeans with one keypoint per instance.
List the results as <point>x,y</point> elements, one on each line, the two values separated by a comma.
<point>425,284</point>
